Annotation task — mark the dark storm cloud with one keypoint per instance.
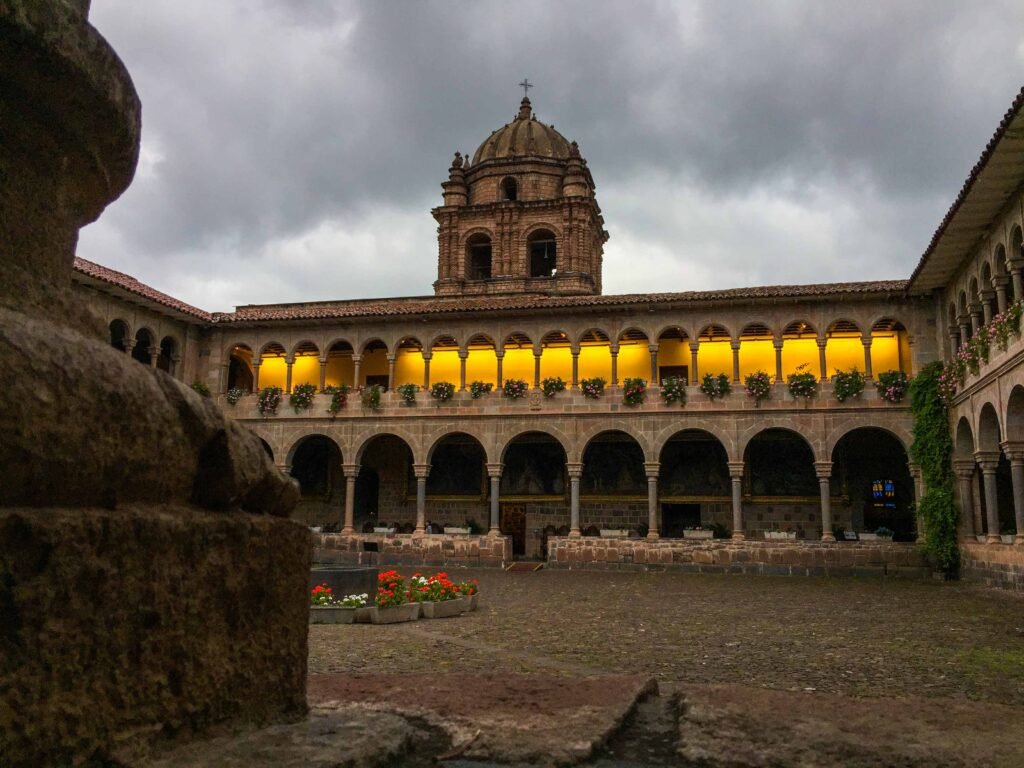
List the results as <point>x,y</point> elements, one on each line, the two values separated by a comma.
<point>293,152</point>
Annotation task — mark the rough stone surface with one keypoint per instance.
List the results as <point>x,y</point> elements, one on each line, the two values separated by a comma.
<point>995,565</point>
<point>413,549</point>
<point>512,718</point>
<point>742,727</point>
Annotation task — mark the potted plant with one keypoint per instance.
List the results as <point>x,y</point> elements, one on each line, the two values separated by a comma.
<point>715,387</point>
<point>514,389</point>
<point>552,386</point>
<point>471,590</point>
<point>634,391</point>
<point>847,384</point>
<point>408,393</point>
<point>758,385</point>
<point>442,391</point>
<point>326,609</point>
<point>892,385</point>
<point>478,389</point>
<point>339,397</point>
<point>673,390</point>
<point>234,394</point>
<point>442,598</point>
<point>267,401</point>
<point>201,388</point>
<point>392,601</point>
<point>302,397</point>
<point>371,396</point>
<point>592,388</point>
<point>697,532</point>
<point>803,383</point>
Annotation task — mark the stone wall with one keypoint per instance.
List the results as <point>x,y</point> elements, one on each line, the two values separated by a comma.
<point>408,549</point>
<point>996,565</point>
<point>726,556</point>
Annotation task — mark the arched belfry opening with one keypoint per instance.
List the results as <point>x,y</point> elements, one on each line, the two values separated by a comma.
<point>543,253</point>
<point>509,189</point>
<point>478,257</point>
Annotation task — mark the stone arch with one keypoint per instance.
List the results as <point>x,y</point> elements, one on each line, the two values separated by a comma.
<point>757,349</point>
<point>659,441</point>
<point>779,423</point>
<point>120,332</point>
<point>145,339</point>
<point>973,290</point>
<point>557,434</point>
<point>534,464</point>
<point>870,470</point>
<point>170,353</point>
<point>989,430</point>
<point>584,439</point>
<point>1016,242</point>
<point>634,357</point>
<point>556,356</point>
<point>613,464</point>
<point>458,465</point>
<point>362,441</point>
<point>240,372</point>
<point>517,351</point>
<point>781,481</point>
<point>542,250</point>
<point>675,329</point>
<point>374,340</point>
<point>844,348</point>
<point>1015,415</point>
<point>593,333</point>
<point>298,441</point>
<point>890,346</point>
<point>274,348</point>
<point>386,460</point>
<point>520,338</point>
<point>436,438</point>
<point>694,485</point>
<point>964,447</point>
<point>898,432</point>
<point>315,462</point>
<point>304,347</point>
<point>674,356</point>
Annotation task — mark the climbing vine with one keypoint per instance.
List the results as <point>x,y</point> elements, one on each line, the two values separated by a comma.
<point>933,449</point>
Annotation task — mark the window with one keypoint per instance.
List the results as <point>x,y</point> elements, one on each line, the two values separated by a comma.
<point>542,254</point>
<point>478,255</point>
<point>509,189</point>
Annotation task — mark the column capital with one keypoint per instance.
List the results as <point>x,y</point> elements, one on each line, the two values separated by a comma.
<point>323,360</point>
<point>987,460</point>
<point>777,343</point>
<point>866,339</point>
<point>574,350</point>
<point>736,468</point>
<point>1000,281</point>
<point>422,471</point>
<point>694,346</point>
<point>614,348</point>
<point>823,469</point>
<point>256,362</point>
<point>289,359</point>
<point>652,347</point>
<point>821,343</point>
<point>463,354</point>
<point>963,468</point>
<point>350,470</point>
<point>975,308</point>
<point>494,469</point>
<point>987,294</point>
<point>914,468</point>
<point>357,358</point>
<point>1013,449</point>
<point>427,354</point>
<point>734,345</point>
<point>575,469</point>
<point>652,468</point>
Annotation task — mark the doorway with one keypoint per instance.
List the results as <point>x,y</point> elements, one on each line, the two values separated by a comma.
<point>513,523</point>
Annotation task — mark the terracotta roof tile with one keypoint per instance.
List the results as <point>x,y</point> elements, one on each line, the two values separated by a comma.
<point>130,284</point>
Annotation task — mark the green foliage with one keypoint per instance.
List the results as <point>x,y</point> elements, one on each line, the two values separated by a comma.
<point>673,390</point>
<point>478,389</point>
<point>933,450</point>
<point>847,384</point>
<point>592,388</point>
<point>443,391</point>
<point>758,385</point>
<point>371,396</point>
<point>634,391</point>
<point>339,397</point>
<point>302,396</point>
<point>550,387</point>
<point>803,383</point>
<point>201,388</point>
<point>715,386</point>
<point>408,392</point>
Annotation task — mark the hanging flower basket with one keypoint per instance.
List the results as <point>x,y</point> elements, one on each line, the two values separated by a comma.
<point>892,386</point>
<point>847,384</point>
<point>803,383</point>
<point>408,393</point>
<point>551,387</point>
<point>371,396</point>
<point>234,394</point>
<point>478,389</point>
<point>514,388</point>
<point>634,391</point>
<point>592,388</point>
<point>443,391</point>
<point>715,387</point>
<point>339,397</point>
<point>758,385</point>
<point>673,390</point>
<point>267,401</point>
<point>302,397</point>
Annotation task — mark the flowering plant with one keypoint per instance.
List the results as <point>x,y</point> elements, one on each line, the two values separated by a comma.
<point>803,383</point>
<point>371,396</point>
<point>673,390</point>
<point>443,391</point>
<point>715,386</point>
<point>418,590</point>
<point>408,392</point>
<point>847,384</point>
<point>514,388</point>
<point>975,352</point>
<point>470,587</point>
<point>441,587</point>
<point>267,400</point>
<point>302,396</point>
<point>234,394</point>
<point>592,388</point>
<point>758,385</point>
<point>339,397</point>
<point>551,387</point>
<point>321,594</point>
<point>390,590</point>
<point>479,388</point>
<point>634,391</point>
<point>892,385</point>
<point>201,388</point>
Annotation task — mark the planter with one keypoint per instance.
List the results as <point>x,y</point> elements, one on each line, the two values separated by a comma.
<point>383,530</point>
<point>365,614</point>
<point>708,534</point>
<point>442,609</point>
<point>474,600</point>
<point>452,529</point>
<point>1007,538</point>
<point>331,614</point>
<point>780,535</point>
<point>396,614</point>
<point>462,603</point>
<point>614,533</point>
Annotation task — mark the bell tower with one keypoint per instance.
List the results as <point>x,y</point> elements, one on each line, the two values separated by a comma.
<point>521,217</point>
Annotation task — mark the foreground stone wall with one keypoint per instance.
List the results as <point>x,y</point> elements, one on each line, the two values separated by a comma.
<point>996,565</point>
<point>726,556</point>
<point>411,549</point>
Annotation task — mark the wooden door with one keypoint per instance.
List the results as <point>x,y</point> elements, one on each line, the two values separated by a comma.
<point>513,523</point>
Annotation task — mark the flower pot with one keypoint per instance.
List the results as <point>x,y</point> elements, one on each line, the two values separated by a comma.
<point>331,614</point>
<point>614,533</point>
<point>702,534</point>
<point>365,614</point>
<point>442,609</point>
<point>396,614</point>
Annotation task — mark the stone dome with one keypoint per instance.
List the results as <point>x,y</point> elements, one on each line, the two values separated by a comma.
<point>523,137</point>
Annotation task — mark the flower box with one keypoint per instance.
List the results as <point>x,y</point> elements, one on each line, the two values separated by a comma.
<point>331,614</point>
<point>701,534</point>
<point>365,614</point>
<point>383,530</point>
<point>614,533</point>
<point>442,609</point>
<point>474,601</point>
<point>455,529</point>
<point>395,614</point>
<point>780,535</point>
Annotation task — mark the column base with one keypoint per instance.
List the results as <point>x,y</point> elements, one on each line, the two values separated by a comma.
<point>653,536</point>
<point>828,536</point>
<point>348,530</point>
<point>1018,540</point>
<point>493,532</point>
<point>738,536</point>
<point>575,534</point>
<point>993,538</point>
<point>420,531</point>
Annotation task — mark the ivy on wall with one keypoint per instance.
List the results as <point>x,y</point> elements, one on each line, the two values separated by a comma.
<point>933,450</point>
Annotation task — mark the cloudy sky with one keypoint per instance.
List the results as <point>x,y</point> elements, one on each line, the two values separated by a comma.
<point>292,149</point>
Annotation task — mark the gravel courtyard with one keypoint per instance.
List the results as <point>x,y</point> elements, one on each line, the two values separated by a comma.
<point>855,637</point>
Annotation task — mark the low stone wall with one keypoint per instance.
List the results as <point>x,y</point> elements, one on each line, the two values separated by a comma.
<point>728,556</point>
<point>997,565</point>
<point>412,549</point>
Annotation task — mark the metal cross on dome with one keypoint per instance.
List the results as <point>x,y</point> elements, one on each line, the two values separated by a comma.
<point>526,85</point>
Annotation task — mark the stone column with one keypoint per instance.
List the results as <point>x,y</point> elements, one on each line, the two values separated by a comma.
<point>778,361</point>
<point>575,471</point>
<point>736,476</point>
<point>824,472</point>
<point>965,328</point>
<point>575,368</point>
<point>129,345</point>
<point>866,341</point>
<point>694,346</point>
<point>615,364</point>
<point>975,310</point>
<point>735,345</point>
<point>987,297</point>
<point>225,374</point>
<point>494,471</point>
<point>964,469</point>
<point>391,372</point>
<point>256,376</point>
<point>176,367</point>
<point>288,363</point>
<point>999,282</point>
<point>1015,265</point>
<point>357,361</point>
<point>500,358</point>
<point>989,462</point>
<point>536,368</point>
<point>323,373</point>
<point>653,349</point>
<point>918,476</point>
<point>426,371</point>
<point>652,468</point>
<point>422,471</point>
<point>822,362</point>
<point>1014,451</point>
<point>954,341</point>
<point>463,354</point>
<point>154,356</point>
<point>351,473</point>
